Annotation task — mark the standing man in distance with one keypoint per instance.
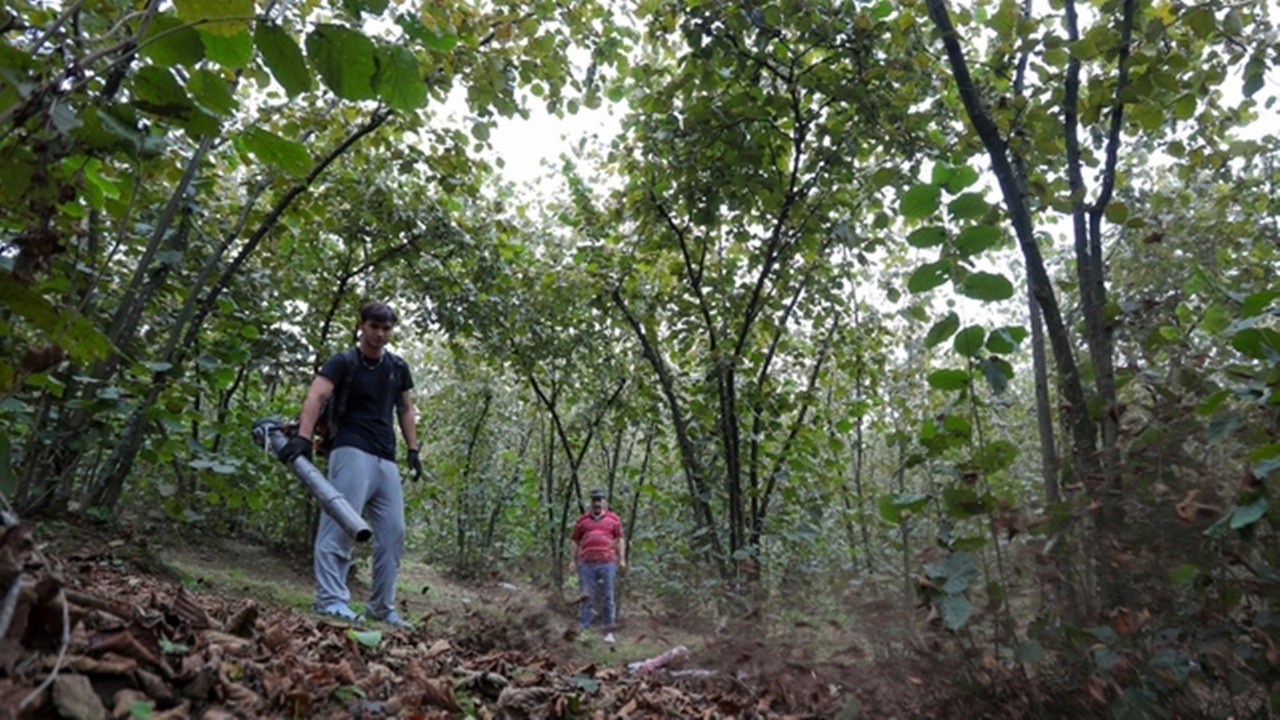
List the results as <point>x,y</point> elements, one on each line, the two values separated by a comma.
<point>599,552</point>
<point>370,386</point>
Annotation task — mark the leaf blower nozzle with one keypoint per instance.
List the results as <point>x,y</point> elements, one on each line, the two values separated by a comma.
<point>270,433</point>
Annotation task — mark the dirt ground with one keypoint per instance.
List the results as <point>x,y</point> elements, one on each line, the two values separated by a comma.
<point>433,602</point>
<point>173,623</point>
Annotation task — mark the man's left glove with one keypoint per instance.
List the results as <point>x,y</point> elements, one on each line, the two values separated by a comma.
<point>415,464</point>
<point>297,446</point>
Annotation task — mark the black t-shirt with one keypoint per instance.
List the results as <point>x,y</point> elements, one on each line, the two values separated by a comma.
<point>368,420</point>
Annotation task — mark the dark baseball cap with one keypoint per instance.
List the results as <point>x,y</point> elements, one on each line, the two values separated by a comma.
<point>597,493</point>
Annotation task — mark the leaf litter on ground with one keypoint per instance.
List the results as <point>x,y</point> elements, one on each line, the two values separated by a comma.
<point>87,637</point>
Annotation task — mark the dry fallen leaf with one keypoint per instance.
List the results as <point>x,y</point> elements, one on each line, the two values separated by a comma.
<point>74,697</point>
<point>440,694</point>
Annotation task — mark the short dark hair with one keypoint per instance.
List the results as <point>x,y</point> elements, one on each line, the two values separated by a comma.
<point>377,311</point>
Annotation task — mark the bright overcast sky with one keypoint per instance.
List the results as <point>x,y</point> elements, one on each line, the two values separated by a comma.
<point>532,148</point>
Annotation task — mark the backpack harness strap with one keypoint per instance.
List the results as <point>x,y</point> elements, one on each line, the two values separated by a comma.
<point>338,404</point>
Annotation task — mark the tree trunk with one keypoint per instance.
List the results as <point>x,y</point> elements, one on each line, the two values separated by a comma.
<point>1087,227</point>
<point>703,538</point>
<point>1017,206</point>
<point>1044,415</point>
<point>465,563</point>
<point>104,490</point>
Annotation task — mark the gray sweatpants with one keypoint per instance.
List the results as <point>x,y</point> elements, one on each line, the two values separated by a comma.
<point>372,485</point>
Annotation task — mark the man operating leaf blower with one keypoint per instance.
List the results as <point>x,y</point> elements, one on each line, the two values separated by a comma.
<point>360,391</point>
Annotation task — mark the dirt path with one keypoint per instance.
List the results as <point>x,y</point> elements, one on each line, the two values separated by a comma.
<point>435,604</point>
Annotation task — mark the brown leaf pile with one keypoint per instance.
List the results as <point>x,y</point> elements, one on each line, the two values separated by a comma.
<point>85,638</point>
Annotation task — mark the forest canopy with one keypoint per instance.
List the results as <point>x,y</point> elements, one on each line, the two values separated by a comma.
<point>966,307</point>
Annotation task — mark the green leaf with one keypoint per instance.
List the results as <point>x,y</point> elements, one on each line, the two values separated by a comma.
<point>929,276</point>
<point>998,373</point>
<point>1255,75</point>
<point>961,501</point>
<point>968,342</point>
<point>1233,23</point>
<point>995,456</point>
<point>169,41</point>
<point>1245,515</point>
<point>289,156</point>
<point>232,51</point>
<point>954,574</point>
<point>920,201</point>
<point>986,286</point>
<point>948,379</point>
<point>210,91</point>
<point>283,58</point>
<point>1249,341</point>
<point>972,543</point>
<point>1215,320</point>
<point>17,168</point>
<point>436,40</point>
<point>141,709</point>
<point>398,80</point>
<point>1149,116</point>
<point>1083,49</point>
<point>955,611</point>
<point>927,237</point>
<point>82,341</point>
<point>1266,460</point>
<point>968,206</point>
<point>1004,340</point>
<point>344,60</point>
<point>346,693</point>
<point>585,682</point>
<point>172,648</point>
<point>230,16</point>
<point>942,329</point>
<point>1257,303</point>
<point>977,238</point>
<point>1184,574</point>
<point>961,178</point>
<point>1210,404</point>
<point>199,123</point>
<point>105,185</point>
<point>1184,108</point>
<point>1117,212</point>
<point>367,638</point>
<point>1029,651</point>
<point>1201,21</point>
<point>896,506</point>
<point>156,90</point>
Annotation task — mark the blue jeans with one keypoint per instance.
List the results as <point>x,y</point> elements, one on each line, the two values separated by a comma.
<point>596,582</point>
